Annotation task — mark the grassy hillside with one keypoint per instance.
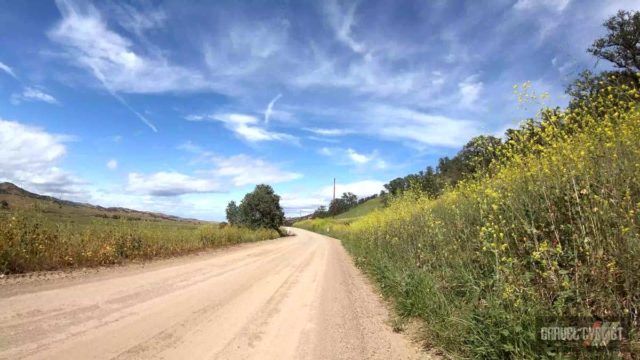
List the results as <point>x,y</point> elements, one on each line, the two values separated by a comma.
<point>17,198</point>
<point>44,233</point>
<point>362,209</point>
<point>550,234</point>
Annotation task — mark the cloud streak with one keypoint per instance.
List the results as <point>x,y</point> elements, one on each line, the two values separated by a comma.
<point>246,127</point>
<point>110,57</point>
<point>269,109</point>
<point>8,70</point>
<point>33,94</point>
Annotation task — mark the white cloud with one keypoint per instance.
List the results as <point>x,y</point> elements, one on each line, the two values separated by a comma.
<point>246,127</point>
<point>138,21</point>
<point>29,157</point>
<point>350,156</point>
<point>293,203</point>
<point>256,134</point>
<point>269,110</point>
<point>357,157</point>
<point>342,21</point>
<point>418,128</point>
<point>226,172</point>
<point>7,69</point>
<point>470,90</point>
<point>169,184</point>
<point>112,58</point>
<point>244,170</point>
<point>327,151</point>
<point>360,188</point>
<point>329,132</point>
<point>112,164</point>
<point>370,75</point>
<point>235,119</point>
<point>245,50</point>
<point>219,174</point>
<point>565,68</point>
<point>33,94</point>
<point>554,5</point>
<point>194,117</point>
<point>324,140</point>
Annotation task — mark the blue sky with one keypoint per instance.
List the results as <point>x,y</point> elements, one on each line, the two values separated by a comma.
<point>181,107</point>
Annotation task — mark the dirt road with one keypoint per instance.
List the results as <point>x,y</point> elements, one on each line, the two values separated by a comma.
<point>298,297</point>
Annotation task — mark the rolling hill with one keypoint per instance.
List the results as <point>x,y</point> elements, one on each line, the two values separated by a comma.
<point>13,197</point>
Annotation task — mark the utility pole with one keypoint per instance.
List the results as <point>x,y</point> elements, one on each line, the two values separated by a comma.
<point>334,188</point>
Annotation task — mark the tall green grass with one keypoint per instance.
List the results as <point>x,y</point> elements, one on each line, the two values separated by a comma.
<point>31,241</point>
<point>551,233</point>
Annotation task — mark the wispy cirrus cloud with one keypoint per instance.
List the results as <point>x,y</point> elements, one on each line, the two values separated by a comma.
<point>554,5</point>
<point>329,131</point>
<point>418,128</point>
<point>246,127</point>
<point>111,58</point>
<point>33,94</point>
<point>8,70</point>
<point>269,110</point>
<point>349,156</point>
<point>342,20</point>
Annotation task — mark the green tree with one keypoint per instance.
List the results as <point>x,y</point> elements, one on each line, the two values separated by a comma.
<point>621,44</point>
<point>343,203</point>
<point>350,199</point>
<point>233,214</point>
<point>321,212</point>
<point>479,153</point>
<point>621,47</point>
<point>261,209</point>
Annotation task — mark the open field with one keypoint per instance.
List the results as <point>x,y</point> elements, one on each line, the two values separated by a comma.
<point>33,241</point>
<point>44,233</point>
<point>297,297</point>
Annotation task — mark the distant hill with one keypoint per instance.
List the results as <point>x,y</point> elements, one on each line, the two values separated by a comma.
<point>17,198</point>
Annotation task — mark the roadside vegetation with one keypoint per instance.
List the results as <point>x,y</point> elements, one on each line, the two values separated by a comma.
<point>31,241</point>
<point>541,227</point>
<point>37,238</point>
